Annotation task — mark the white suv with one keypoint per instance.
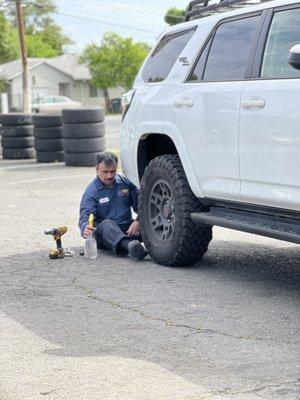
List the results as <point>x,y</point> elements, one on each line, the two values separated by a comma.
<point>211,131</point>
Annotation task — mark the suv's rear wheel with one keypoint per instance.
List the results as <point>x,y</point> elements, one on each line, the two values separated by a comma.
<point>165,206</point>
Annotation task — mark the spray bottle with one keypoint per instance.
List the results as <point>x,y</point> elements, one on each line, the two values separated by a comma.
<point>90,247</point>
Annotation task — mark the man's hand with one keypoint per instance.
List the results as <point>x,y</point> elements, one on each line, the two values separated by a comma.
<point>134,229</point>
<point>88,231</point>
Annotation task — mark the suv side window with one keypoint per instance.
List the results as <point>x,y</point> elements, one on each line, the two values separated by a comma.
<point>197,73</point>
<point>284,33</point>
<point>229,53</point>
<point>164,56</point>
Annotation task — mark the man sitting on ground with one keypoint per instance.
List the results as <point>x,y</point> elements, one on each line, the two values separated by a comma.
<point>110,197</point>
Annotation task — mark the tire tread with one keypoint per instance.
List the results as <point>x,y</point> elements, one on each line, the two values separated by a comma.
<point>194,239</point>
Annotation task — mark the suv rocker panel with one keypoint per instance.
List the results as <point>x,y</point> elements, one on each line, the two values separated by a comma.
<point>252,222</point>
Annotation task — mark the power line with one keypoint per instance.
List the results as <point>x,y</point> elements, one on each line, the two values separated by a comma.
<point>179,17</point>
<point>111,18</point>
<point>25,2</point>
<point>126,4</point>
<point>104,22</point>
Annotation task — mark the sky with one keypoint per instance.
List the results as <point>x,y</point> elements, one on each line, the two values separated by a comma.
<point>86,21</point>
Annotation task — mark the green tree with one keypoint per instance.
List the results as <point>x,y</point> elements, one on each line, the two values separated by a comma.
<point>36,14</point>
<point>174,16</point>
<point>9,48</point>
<point>37,48</point>
<point>53,35</point>
<point>115,62</point>
<point>2,85</point>
<point>48,42</point>
<point>44,37</point>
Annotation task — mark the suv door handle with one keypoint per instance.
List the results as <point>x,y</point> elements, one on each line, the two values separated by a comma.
<point>251,103</point>
<point>184,102</point>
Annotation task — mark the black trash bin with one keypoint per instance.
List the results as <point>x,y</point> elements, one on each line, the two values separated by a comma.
<point>115,105</point>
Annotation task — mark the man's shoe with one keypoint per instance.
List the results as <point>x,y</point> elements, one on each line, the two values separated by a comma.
<point>137,250</point>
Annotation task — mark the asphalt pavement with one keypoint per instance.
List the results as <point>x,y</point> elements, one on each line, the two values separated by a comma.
<point>115,328</point>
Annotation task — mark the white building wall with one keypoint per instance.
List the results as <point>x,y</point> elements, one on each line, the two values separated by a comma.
<point>45,80</point>
<point>91,101</point>
<point>82,93</point>
<point>116,92</point>
<point>99,100</point>
<point>15,94</point>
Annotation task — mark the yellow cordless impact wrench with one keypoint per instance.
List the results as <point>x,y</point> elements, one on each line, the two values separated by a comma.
<point>57,233</point>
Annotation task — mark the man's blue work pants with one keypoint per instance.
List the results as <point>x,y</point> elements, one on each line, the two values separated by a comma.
<point>109,236</point>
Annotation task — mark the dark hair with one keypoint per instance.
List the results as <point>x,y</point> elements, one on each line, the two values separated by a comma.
<point>107,157</point>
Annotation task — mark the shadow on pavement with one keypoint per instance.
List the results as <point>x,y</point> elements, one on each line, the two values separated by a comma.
<point>230,320</point>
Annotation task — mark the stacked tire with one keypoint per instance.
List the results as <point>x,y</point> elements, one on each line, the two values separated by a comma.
<point>17,136</point>
<point>48,140</point>
<point>84,135</point>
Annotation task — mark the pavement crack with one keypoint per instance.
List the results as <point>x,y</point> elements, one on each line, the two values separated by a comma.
<point>46,393</point>
<point>217,392</point>
<point>170,323</point>
<point>258,389</point>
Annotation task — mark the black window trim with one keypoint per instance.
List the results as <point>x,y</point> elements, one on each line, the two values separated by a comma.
<point>203,48</point>
<point>173,33</point>
<point>177,32</point>
<point>260,50</point>
<point>211,37</point>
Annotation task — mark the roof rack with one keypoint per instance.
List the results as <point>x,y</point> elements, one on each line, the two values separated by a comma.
<point>202,8</point>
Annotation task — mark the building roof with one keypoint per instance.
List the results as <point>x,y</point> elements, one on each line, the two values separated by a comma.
<point>67,64</point>
<point>13,68</point>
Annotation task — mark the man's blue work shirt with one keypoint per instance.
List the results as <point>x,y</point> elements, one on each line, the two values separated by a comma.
<point>105,203</point>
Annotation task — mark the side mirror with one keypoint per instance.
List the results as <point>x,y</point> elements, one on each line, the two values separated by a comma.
<point>294,57</point>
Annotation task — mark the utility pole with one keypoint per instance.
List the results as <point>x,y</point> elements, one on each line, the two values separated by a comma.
<point>21,28</point>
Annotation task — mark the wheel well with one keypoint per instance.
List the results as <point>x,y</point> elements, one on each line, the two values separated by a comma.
<point>151,146</point>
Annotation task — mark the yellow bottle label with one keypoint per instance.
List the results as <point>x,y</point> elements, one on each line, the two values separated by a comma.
<point>91,220</point>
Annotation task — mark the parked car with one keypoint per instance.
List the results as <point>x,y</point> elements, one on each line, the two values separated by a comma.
<point>211,128</point>
<point>53,104</point>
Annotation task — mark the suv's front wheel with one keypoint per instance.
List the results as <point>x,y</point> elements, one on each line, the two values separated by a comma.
<point>165,206</point>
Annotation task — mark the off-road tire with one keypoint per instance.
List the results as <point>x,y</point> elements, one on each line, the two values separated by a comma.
<point>18,154</point>
<point>83,115</point>
<point>48,133</point>
<point>48,144</point>
<point>81,159</point>
<point>49,157</point>
<point>16,131</point>
<point>84,145</point>
<point>16,119</point>
<point>17,142</point>
<point>80,131</point>
<point>188,241</point>
<point>46,121</point>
